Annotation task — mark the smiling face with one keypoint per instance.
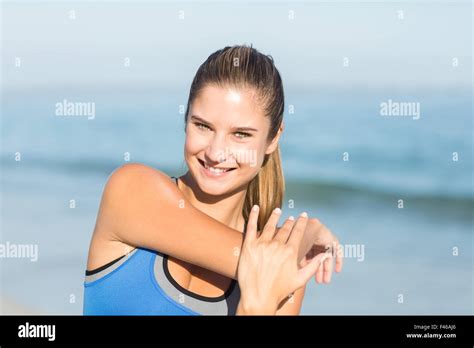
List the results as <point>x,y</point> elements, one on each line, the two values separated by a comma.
<point>226,139</point>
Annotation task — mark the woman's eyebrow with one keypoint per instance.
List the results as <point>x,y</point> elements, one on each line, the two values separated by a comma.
<point>246,129</point>
<point>199,119</point>
<point>238,129</point>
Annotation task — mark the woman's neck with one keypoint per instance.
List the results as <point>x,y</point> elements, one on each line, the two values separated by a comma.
<point>226,209</point>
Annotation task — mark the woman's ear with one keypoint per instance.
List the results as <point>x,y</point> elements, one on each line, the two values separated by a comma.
<point>274,143</point>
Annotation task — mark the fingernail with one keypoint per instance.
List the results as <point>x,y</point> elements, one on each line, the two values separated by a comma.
<point>291,218</point>
<point>304,214</point>
<point>255,207</point>
<point>277,211</point>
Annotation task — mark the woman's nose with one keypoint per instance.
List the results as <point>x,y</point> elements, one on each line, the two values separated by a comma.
<point>216,150</point>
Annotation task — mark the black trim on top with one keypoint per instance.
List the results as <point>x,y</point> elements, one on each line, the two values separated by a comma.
<point>101,268</point>
<point>175,179</point>
<point>192,294</point>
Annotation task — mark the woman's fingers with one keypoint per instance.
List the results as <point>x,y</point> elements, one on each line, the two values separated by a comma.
<point>303,262</point>
<point>251,230</point>
<point>298,231</point>
<point>319,274</point>
<point>269,229</point>
<point>327,269</point>
<point>284,232</point>
<point>312,267</point>
<point>339,258</point>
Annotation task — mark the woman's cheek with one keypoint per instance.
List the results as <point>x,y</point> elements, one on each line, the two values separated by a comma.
<point>250,156</point>
<point>195,143</point>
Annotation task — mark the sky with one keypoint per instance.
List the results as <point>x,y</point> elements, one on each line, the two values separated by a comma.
<point>166,42</point>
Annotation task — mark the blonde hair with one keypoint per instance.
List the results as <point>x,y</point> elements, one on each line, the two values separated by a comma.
<point>244,66</point>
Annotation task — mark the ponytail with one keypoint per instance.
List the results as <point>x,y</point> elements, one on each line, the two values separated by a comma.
<point>266,189</point>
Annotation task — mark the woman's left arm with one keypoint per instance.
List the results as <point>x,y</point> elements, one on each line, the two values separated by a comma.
<point>292,305</point>
<point>324,241</point>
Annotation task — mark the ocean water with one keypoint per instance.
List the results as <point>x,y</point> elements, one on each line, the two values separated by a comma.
<point>406,252</point>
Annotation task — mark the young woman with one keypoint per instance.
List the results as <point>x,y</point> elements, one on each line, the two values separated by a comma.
<point>164,246</point>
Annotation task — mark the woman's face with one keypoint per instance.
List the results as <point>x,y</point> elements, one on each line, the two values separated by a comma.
<point>226,139</point>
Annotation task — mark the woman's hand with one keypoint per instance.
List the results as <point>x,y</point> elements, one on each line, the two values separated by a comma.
<point>323,241</point>
<point>268,269</point>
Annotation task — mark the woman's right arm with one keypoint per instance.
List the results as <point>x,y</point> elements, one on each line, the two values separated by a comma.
<point>142,207</point>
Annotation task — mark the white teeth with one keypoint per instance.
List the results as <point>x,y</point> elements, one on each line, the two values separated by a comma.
<point>214,170</point>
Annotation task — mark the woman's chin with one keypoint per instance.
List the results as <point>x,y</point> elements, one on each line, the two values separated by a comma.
<point>213,188</point>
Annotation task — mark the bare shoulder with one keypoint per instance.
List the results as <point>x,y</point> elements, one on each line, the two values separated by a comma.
<point>131,186</point>
<point>135,174</point>
<point>125,192</point>
<point>134,181</point>
<point>131,169</point>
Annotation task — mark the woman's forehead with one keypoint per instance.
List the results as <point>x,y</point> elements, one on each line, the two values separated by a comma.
<point>238,105</point>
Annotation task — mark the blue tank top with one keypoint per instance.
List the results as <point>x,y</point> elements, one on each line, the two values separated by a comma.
<point>140,284</point>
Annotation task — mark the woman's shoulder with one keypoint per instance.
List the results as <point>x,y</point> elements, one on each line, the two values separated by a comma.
<point>123,193</point>
<point>132,184</point>
<point>133,171</point>
<point>135,176</point>
<point>132,191</point>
